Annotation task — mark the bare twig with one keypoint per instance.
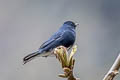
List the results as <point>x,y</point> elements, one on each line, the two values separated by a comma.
<point>67,61</point>
<point>114,70</point>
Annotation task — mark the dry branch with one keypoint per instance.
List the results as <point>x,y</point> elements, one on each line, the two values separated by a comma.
<point>114,70</point>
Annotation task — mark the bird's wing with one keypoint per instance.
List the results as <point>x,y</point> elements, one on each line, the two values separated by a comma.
<point>51,40</point>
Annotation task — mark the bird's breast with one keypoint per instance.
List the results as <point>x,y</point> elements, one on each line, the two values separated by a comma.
<point>69,39</point>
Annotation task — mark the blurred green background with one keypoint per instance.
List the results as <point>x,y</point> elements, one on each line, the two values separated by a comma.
<point>26,24</point>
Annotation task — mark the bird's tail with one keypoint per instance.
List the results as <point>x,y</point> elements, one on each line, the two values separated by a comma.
<point>31,56</point>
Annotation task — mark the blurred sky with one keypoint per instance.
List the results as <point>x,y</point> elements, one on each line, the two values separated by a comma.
<point>26,24</point>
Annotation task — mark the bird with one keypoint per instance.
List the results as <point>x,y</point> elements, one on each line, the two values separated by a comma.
<point>65,36</point>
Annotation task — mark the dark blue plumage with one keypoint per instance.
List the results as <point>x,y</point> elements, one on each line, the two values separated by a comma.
<point>65,36</point>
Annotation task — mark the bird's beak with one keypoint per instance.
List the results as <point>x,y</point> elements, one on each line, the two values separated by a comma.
<point>76,24</point>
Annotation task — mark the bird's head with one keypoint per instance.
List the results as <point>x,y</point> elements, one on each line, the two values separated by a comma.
<point>71,24</point>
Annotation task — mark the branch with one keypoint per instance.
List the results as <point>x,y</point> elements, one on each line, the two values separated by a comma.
<point>114,70</point>
<point>67,61</point>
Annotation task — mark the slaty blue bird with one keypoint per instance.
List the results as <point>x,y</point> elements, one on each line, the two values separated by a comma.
<point>65,36</point>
